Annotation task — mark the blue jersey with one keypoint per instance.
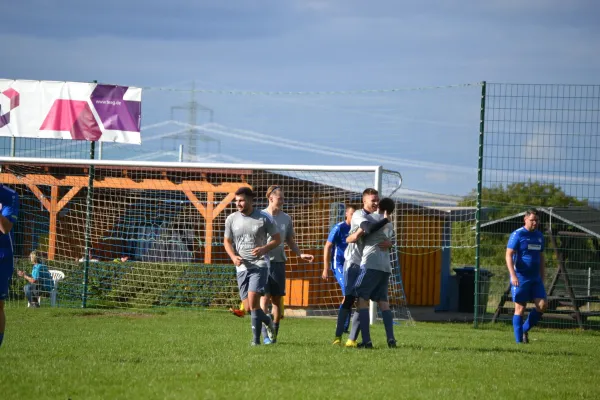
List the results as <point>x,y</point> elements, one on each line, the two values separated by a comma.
<point>528,247</point>
<point>42,277</point>
<point>9,199</point>
<point>338,236</point>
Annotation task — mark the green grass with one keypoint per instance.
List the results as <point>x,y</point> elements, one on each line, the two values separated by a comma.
<point>79,354</point>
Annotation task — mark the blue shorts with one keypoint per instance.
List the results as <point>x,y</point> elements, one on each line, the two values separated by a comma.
<point>351,274</point>
<point>276,280</point>
<point>372,284</point>
<point>6,271</point>
<point>527,291</point>
<point>338,273</point>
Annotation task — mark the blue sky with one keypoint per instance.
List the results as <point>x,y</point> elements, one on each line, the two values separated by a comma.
<point>430,136</point>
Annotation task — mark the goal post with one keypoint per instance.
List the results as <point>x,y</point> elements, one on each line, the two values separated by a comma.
<point>156,229</point>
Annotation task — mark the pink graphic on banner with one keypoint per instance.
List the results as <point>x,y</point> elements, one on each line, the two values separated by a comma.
<point>114,112</point>
<point>13,95</point>
<point>74,116</point>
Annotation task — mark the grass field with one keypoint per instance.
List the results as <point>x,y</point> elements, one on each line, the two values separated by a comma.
<point>87,354</point>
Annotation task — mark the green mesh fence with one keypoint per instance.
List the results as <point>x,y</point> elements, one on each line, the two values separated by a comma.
<point>541,149</point>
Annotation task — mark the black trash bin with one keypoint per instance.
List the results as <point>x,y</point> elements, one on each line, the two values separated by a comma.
<point>466,289</point>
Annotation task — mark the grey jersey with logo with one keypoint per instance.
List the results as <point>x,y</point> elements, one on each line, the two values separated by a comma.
<point>285,228</point>
<point>353,253</point>
<point>248,232</point>
<point>373,257</point>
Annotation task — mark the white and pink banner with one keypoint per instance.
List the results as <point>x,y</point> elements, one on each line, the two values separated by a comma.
<point>70,110</point>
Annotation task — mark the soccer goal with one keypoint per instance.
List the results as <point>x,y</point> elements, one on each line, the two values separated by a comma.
<point>150,234</point>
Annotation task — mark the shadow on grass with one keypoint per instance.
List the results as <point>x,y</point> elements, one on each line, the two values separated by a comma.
<point>517,349</point>
<point>90,313</point>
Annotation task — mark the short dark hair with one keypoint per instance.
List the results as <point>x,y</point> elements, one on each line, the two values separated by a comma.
<point>246,191</point>
<point>352,206</point>
<point>531,211</point>
<point>387,204</point>
<point>369,191</point>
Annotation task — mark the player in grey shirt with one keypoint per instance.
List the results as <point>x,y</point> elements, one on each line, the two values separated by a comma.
<point>275,288</point>
<point>373,282</point>
<point>353,256</point>
<point>246,242</point>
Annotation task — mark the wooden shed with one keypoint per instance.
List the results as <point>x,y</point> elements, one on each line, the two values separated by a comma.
<point>129,203</point>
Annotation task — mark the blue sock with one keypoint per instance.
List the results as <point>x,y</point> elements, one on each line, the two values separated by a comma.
<point>262,317</point>
<point>263,331</point>
<point>532,320</point>
<point>363,317</point>
<point>355,326</point>
<point>1,338</point>
<point>518,328</point>
<point>255,326</point>
<point>343,314</point>
<point>347,322</point>
<point>388,323</point>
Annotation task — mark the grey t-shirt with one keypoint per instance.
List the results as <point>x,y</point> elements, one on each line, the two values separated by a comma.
<point>285,228</point>
<point>248,232</point>
<point>374,257</point>
<point>353,253</point>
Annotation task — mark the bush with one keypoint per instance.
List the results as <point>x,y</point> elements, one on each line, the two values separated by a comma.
<point>143,284</point>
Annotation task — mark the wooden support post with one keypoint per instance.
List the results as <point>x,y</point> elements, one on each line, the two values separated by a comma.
<point>210,206</point>
<point>38,193</point>
<point>213,212</point>
<point>210,212</point>
<point>505,296</point>
<point>53,218</point>
<point>565,276</point>
<point>53,206</point>
<point>195,202</point>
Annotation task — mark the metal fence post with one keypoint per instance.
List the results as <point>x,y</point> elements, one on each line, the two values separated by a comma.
<point>478,212</point>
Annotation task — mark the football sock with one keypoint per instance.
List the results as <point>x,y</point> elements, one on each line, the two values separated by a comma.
<point>355,326</point>
<point>341,319</point>
<point>255,321</point>
<point>363,316</point>
<point>388,323</point>
<point>518,328</point>
<point>532,320</point>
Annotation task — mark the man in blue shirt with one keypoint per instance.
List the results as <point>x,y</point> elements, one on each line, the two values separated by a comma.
<point>526,266</point>
<point>9,204</point>
<point>336,244</point>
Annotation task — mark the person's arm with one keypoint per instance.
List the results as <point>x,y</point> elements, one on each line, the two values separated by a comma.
<point>228,243</point>
<point>35,274</point>
<point>366,228</point>
<point>272,231</point>
<point>543,260</point>
<point>10,207</point>
<point>291,242</point>
<point>294,247</point>
<point>28,278</point>
<point>5,224</point>
<point>354,236</point>
<point>262,250</point>
<point>388,243</point>
<point>511,268</point>
<point>513,241</point>
<point>327,259</point>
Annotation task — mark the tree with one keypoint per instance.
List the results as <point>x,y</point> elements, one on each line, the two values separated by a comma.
<point>502,201</point>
